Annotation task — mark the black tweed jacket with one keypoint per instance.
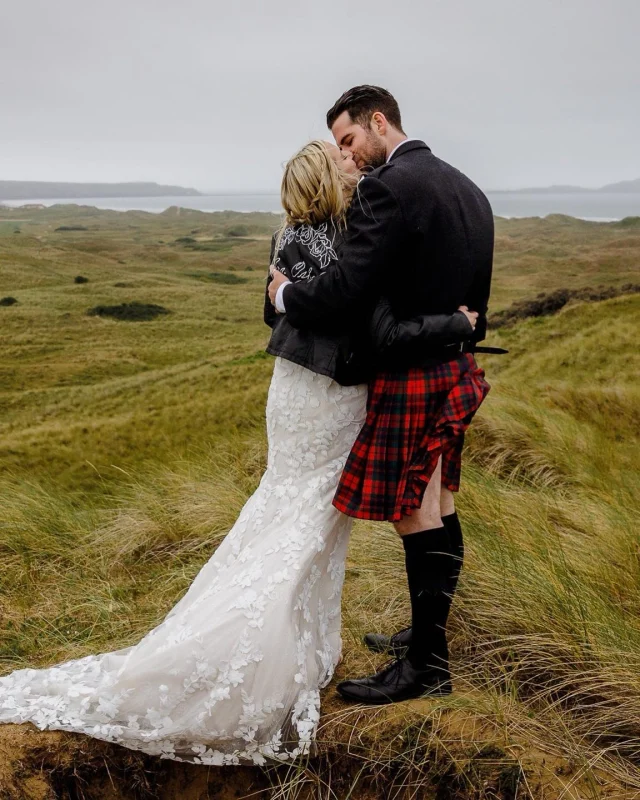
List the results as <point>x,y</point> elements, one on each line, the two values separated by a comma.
<point>419,232</point>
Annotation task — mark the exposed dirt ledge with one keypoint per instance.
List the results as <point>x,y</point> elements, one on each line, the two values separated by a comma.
<point>364,753</point>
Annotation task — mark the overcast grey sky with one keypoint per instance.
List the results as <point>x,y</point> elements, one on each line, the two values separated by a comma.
<point>217,95</point>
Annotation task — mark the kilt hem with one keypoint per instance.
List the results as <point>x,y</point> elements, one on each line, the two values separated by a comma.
<point>413,418</point>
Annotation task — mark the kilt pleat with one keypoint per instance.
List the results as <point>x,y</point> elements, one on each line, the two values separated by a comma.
<point>414,416</point>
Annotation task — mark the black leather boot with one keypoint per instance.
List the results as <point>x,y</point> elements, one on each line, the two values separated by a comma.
<point>398,681</point>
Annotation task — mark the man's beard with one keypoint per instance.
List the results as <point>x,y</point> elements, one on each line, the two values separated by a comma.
<point>376,153</point>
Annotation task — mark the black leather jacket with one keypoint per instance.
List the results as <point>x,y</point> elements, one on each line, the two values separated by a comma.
<point>351,354</point>
<point>343,354</point>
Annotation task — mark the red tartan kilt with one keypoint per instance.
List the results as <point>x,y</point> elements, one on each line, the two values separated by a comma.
<point>413,417</point>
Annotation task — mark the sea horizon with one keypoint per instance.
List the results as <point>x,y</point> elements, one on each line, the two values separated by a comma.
<point>597,207</point>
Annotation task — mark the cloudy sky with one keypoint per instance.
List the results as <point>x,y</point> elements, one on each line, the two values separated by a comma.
<point>216,95</point>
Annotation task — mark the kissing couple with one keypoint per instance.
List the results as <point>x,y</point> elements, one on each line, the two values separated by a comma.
<point>377,296</point>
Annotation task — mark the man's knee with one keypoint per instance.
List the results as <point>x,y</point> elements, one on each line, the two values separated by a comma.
<point>429,514</point>
<point>423,518</point>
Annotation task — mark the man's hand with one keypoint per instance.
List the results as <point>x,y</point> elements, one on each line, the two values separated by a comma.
<point>472,316</point>
<point>277,280</point>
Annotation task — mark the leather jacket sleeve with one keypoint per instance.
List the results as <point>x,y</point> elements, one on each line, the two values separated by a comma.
<point>415,336</point>
<point>270,314</point>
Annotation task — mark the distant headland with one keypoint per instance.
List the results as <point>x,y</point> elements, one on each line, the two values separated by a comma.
<point>43,190</point>
<point>622,187</point>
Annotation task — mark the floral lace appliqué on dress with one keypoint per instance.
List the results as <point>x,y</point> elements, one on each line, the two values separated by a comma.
<point>232,675</point>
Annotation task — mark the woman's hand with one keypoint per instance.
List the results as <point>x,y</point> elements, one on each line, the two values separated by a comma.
<point>472,316</point>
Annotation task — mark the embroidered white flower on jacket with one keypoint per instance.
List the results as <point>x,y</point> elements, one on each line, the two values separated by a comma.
<point>316,240</point>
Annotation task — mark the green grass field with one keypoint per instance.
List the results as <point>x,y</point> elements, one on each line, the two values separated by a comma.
<point>128,448</point>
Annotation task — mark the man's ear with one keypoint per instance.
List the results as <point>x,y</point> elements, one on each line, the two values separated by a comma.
<point>379,123</point>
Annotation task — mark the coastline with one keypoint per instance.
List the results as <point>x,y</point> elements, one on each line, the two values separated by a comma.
<point>592,207</point>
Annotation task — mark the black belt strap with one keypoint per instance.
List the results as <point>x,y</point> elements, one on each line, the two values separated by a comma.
<point>450,350</point>
<point>498,351</point>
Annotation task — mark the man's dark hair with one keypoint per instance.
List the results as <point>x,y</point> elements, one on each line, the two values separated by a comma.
<point>362,102</point>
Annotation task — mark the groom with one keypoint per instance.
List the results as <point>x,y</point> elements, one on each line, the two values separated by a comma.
<point>420,233</point>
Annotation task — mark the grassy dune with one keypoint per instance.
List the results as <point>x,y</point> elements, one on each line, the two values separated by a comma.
<point>128,448</point>
<point>78,390</point>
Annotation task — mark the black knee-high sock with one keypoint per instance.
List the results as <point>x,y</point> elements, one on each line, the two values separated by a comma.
<point>429,565</point>
<point>452,524</point>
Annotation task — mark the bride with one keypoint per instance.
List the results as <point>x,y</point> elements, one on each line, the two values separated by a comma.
<point>234,671</point>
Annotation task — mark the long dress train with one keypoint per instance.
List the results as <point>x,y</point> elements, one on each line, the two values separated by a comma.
<point>233,672</point>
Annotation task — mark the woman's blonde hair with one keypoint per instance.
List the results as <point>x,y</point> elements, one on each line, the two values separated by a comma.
<point>314,189</point>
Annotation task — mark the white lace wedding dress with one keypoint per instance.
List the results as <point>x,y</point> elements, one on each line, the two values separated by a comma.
<point>233,672</point>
